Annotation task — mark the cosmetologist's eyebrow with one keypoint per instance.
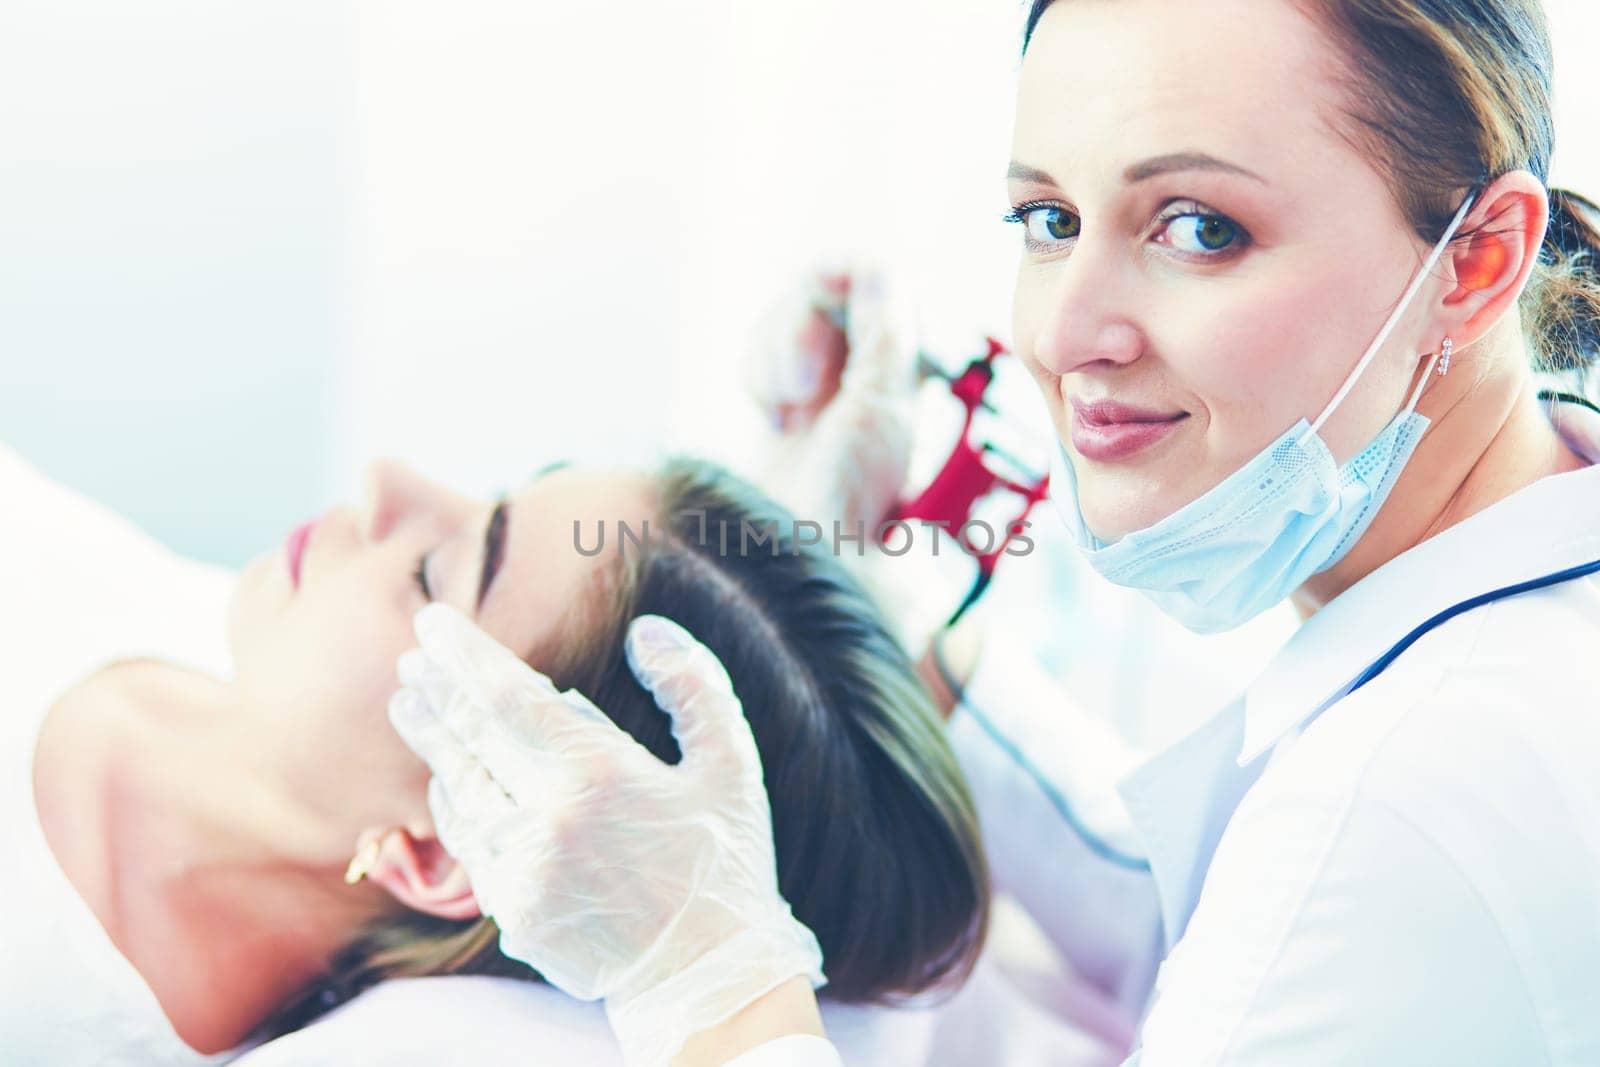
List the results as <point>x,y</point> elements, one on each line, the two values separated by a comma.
<point>1148,168</point>
<point>1021,172</point>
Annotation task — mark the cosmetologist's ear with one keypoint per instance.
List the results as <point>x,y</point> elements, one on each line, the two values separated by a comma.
<point>1491,267</point>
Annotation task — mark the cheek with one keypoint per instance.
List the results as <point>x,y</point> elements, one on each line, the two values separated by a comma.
<point>1248,357</point>
<point>327,657</point>
<point>1028,306</point>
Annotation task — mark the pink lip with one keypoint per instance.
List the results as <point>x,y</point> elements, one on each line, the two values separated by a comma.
<point>1104,430</point>
<point>295,548</point>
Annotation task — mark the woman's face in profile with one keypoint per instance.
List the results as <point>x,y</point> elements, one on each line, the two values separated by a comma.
<point>315,651</point>
<point>1203,245</point>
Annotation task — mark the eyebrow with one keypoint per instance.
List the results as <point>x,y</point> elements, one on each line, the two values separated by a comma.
<point>494,533</point>
<point>494,548</point>
<point>1145,169</point>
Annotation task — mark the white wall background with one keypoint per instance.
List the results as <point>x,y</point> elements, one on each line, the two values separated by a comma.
<point>171,197</point>
<point>570,215</point>
<point>246,247</point>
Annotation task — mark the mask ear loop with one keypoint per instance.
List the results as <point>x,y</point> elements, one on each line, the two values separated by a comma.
<point>1394,320</point>
<point>1441,359</point>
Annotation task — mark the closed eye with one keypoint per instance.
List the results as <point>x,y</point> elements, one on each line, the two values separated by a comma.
<point>421,577</point>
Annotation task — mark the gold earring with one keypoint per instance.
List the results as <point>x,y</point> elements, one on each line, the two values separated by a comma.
<point>362,862</point>
<point>365,859</point>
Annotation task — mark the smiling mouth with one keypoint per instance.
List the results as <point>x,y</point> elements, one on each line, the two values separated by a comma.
<point>1106,431</point>
<point>1112,413</point>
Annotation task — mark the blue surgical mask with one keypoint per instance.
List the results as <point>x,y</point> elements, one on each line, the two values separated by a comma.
<point>1289,513</point>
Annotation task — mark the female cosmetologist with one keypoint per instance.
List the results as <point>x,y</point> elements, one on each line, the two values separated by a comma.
<point>1290,270</point>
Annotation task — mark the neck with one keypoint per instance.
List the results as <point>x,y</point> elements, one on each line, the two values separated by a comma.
<point>1487,438</point>
<point>226,894</point>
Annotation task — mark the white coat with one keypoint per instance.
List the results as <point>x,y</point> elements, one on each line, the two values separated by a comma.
<point>1407,872</point>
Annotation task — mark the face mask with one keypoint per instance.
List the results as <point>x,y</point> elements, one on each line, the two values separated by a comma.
<point>1289,513</point>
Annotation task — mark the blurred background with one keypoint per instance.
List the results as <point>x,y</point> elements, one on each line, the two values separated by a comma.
<point>247,247</point>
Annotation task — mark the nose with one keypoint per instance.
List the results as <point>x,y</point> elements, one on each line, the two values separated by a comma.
<point>1076,317</point>
<point>395,494</point>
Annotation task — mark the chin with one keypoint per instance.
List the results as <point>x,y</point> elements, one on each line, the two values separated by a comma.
<point>1116,514</point>
<point>245,598</point>
<point>1107,532</point>
<point>1108,523</point>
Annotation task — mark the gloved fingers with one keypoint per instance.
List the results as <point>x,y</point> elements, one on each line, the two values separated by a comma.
<point>464,821</point>
<point>859,458</point>
<point>801,350</point>
<point>830,291</point>
<point>429,684</point>
<point>490,771</point>
<point>464,654</point>
<point>482,691</point>
<point>668,660</point>
<point>426,734</point>
<point>454,765</point>
<point>478,822</point>
<point>543,769</point>
<point>691,685</point>
<point>445,720</point>
<point>882,335</point>
<point>536,742</point>
<point>481,843</point>
<point>452,828</point>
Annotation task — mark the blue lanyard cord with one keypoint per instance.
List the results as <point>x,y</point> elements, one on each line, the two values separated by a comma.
<point>1121,859</point>
<point>1580,571</point>
<point>1057,801</point>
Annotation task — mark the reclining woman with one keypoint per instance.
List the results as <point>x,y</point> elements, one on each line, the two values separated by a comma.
<point>193,781</point>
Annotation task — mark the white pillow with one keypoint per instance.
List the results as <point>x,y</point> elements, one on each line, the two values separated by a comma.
<point>479,1021</point>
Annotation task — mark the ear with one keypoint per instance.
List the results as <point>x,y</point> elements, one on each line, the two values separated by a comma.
<point>419,873</point>
<point>1491,268</point>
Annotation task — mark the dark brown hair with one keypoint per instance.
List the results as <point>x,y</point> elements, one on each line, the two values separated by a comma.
<point>876,834</point>
<point>1444,95</point>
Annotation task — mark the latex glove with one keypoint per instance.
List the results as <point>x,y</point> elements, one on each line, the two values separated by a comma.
<point>801,350</point>
<point>613,874</point>
<point>835,374</point>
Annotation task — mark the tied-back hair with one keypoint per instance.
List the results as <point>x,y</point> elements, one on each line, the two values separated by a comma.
<point>1447,93</point>
<point>875,831</point>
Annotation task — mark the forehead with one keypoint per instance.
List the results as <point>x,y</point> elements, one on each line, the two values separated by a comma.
<point>545,582</point>
<point>1109,82</point>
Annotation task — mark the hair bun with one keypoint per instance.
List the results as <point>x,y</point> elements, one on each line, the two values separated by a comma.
<point>1574,228</point>
<point>1567,309</point>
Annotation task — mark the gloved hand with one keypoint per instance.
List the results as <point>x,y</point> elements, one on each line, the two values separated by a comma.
<point>835,373</point>
<point>613,874</point>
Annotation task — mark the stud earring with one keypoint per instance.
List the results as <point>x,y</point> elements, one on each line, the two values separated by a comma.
<point>1444,356</point>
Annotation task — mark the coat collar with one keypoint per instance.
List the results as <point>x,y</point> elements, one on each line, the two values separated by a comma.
<point>1181,799</point>
<point>1548,526</point>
